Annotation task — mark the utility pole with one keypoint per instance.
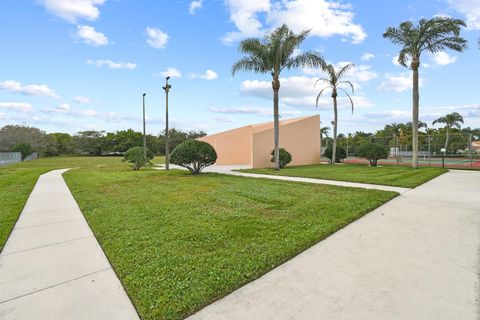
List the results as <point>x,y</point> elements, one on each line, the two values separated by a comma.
<point>144,134</point>
<point>167,151</point>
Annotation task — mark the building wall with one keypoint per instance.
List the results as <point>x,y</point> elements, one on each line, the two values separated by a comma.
<point>299,137</point>
<point>232,147</point>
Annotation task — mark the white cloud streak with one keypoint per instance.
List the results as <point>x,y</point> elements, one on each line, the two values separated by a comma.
<point>112,64</point>
<point>28,90</point>
<point>157,38</point>
<point>73,10</point>
<point>91,36</point>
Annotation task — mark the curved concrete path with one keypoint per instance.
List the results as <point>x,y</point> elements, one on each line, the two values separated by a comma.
<point>231,171</point>
<point>415,258</point>
<point>52,267</point>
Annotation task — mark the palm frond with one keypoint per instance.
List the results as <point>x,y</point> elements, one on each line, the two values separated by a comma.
<point>350,98</point>
<point>249,64</point>
<point>348,83</point>
<point>307,59</point>
<point>320,93</point>
<point>344,70</point>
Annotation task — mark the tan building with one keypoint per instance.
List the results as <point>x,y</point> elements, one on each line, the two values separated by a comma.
<point>251,145</point>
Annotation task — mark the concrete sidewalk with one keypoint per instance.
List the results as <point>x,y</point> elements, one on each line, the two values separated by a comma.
<point>416,257</point>
<point>52,267</point>
<point>230,170</point>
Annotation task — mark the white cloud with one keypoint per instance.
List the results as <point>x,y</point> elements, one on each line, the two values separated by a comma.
<point>113,65</point>
<point>262,111</point>
<point>224,119</point>
<point>443,58</point>
<point>471,10</point>
<point>73,10</point>
<point>399,83</point>
<point>297,91</point>
<point>157,38</point>
<point>209,75</point>
<point>64,107</point>
<point>171,72</point>
<point>29,90</point>
<point>324,18</point>
<point>17,106</point>
<point>90,36</point>
<point>244,14</point>
<point>83,100</point>
<point>368,56</point>
<point>194,6</point>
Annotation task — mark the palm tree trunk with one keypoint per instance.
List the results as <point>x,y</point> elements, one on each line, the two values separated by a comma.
<point>335,117</point>
<point>416,98</point>
<point>276,129</point>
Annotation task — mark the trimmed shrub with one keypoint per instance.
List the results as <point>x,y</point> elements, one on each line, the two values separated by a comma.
<point>340,154</point>
<point>24,148</point>
<point>373,152</point>
<point>136,158</point>
<point>284,156</point>
<point>194,155</point>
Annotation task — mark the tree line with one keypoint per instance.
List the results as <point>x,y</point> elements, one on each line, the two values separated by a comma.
<point>91,142</point>
<point>451,135</point>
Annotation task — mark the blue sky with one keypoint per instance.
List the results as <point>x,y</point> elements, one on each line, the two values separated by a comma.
<point>72,65</point>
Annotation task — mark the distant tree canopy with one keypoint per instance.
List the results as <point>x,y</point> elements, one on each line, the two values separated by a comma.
<point>89,142</point>
<point>12,135</point>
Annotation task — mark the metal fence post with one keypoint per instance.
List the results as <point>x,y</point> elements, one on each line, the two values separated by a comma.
<point>429,150</point>
<point>470,150</point>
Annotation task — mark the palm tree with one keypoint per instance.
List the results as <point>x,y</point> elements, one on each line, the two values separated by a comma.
<point>324,131</point>
<point>335,83</point>
<point>273,54</point>
<point>451,120</point>
<point>430,35</point>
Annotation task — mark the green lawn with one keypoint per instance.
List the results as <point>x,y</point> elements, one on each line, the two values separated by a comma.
<point>18,180</point>
<point>179,242</point>
<point>397,176</point>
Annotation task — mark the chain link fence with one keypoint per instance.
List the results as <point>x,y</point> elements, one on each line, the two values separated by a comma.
<point>10,157</point>
<point>453,151</point>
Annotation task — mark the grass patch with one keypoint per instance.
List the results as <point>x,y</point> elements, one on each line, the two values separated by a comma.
<point>17,182</point>
<point>397,176</point>
<point>179,242</point>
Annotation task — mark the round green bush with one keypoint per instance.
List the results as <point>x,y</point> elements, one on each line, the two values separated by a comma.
<point>194,155</point>
<point>284,157</point>
<point>373,152</point>
<point>24,148</point>
<point>136,158</point>
<point>339,155</point>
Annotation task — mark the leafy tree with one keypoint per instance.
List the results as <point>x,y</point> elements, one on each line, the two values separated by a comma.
<point>11,135</point>
<point>273,54</point>
<point>63,142</point>
<point>335,83</point>
<point>340,154</point>
<point>123,140</point>
<point>136,158</point>
<point>194,155</point>
<point>24,148</point>
<point>451,120</point>
<point>430,35</point>
<point>90,142</point>
<point>285,157</point>
<point>176,137</point>
<point>373,152</point>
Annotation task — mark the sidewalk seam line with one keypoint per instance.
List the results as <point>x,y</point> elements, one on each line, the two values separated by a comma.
<point>53,286</point>
<point>45,246</point>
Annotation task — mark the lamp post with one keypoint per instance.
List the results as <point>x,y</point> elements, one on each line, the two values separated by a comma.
<point>144,134</point>
<point>167,151</point>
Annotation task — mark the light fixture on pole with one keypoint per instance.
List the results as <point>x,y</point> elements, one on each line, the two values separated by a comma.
<point>144,134</point>
<point>167,151</point>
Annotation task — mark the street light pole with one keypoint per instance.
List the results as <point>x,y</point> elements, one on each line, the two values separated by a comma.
<point>144,134</point>
<point>167,151</point>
